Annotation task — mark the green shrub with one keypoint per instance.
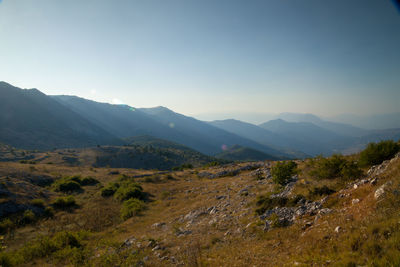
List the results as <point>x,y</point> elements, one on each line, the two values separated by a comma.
<point>267,202</point>
<point>89,181</point>
<point>28,217</point>
<point>321,191</point>
<point>67,185</point>
<point>130,190</point>
<point>131,207</point>
<point>183,167</point>
<point>109,190</point>
<point>334,167</point>
<point>38,203</point>
<point>59,245</point>
<point>65,202</point>
<point>276,222</point>
<point>283,171</point>
<point>376,153</point>
<point>73,183</point>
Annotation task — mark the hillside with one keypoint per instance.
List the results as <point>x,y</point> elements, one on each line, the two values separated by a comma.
<point>239,153</point>
<point>32,120</point>
<point>211,216</point>
<point>135,156</point>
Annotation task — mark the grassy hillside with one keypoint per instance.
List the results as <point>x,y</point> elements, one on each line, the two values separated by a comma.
<point>142,153</point>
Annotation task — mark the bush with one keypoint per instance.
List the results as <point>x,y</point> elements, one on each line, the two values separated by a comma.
<point>73,183</point>
<point>65,202</point>
<point>376,153</point>
<point>45,246</point>
<point>127,191</point>
<point>67,185</point>
<point>321,191</point>
<point>283,171</point>
<point>334,167</point>
<point>131,207</point>
<point>89,181</point>
<point>267,202</point>
<point>109,190</point>
<point>183,167</point>
<point>28,217</point>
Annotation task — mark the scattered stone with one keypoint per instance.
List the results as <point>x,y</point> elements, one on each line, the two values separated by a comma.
<point>128,242</point>
<point>374,181</point>
<point>338,229</point>
<point>381,190</point>
<point>157,247</point>
<point>355,201</point>
<point>158,225</point>
<point>307,225</point>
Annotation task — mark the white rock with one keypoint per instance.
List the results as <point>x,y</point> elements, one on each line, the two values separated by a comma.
<point>381,190</point>
<point>355,186</point>
<point>355,201</point>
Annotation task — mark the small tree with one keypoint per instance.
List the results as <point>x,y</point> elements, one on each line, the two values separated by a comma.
<point>376,153</point>
<point>283,171</point>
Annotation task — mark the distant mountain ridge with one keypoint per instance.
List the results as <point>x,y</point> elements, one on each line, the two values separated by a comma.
<point>33,120</point>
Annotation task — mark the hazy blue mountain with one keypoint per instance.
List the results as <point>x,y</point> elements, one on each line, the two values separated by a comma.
<point>206,133</point>
<point>121,120</point>
<point>125,121</point>
<point>31,120</point>
<point>239,153</point>
<point>377,121</point>
<point>338,128</point>
<point>261,136</point>
<point>309,137</point>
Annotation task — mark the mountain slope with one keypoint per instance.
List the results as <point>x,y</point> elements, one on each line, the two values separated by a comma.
<point>308,137</point>
<point>336,127</point>
<point>260,135</point>
<point>207,133</point>
<point>125,121</point>
<point>239,153</point>
<point>32,120</point>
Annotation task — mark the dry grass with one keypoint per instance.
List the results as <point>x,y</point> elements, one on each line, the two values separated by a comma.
<point>235,239</point>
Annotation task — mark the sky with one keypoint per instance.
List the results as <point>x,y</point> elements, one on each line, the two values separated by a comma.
<point>208,56</point>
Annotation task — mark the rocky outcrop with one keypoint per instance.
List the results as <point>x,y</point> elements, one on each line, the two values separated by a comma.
<point>230,171</point>
<point>287,215</point>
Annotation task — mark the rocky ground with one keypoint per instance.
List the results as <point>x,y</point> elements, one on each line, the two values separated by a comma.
<point>203,216</point>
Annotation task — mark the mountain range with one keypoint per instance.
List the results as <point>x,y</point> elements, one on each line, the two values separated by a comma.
<point>33,120</point>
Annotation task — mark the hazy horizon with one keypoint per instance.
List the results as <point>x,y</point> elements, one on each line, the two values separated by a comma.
<point>215,57</point>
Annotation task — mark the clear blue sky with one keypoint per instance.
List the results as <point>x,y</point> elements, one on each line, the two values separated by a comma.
<point>208,56</point>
